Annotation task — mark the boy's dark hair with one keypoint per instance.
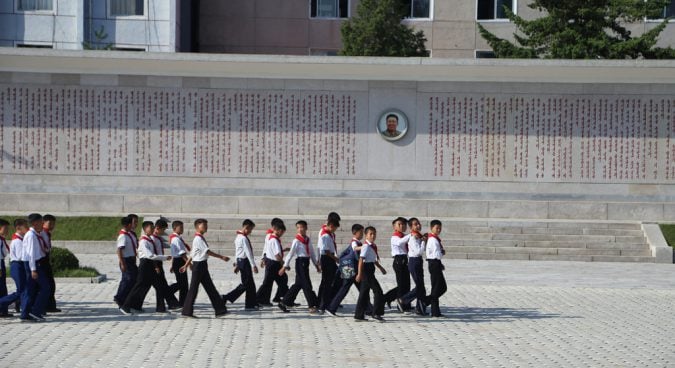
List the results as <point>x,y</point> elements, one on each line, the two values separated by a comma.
<point>392,116</point>
<point>402,219</point>
<point>146,224</point>
<point>276,220</point>
<point>176,223</point>
<point>133,216</point>
<point>4,222</point>
<point>334,222</point>
<point>161,223</point>
<point>200,221</point>
<point>248,223</point>
<point>410,220</point>
<point>302,223</point>
<point>34,217</point>
<point>435,222</point>
<point>356,228</point>
<point>126,221</point>
<point>334,216</point>
<point>20,222</point>
<point>49,218</point>
<point>279,225</point>
<point>370,229</point>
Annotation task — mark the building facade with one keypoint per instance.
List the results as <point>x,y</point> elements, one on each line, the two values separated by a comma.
<point>135,25</point>
<point>312,27</point>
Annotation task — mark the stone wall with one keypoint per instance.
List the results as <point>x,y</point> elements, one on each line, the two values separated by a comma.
<point>177,143</point>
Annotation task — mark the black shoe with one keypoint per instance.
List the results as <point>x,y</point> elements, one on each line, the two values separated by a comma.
<point>399,305</point>
<point>6,315</point>
<point>439,315</point>
<point>276,300</point>
<point>37,317</point>
<point>126,312</point>
<point>174,308</point>
<point>283,308</point>
<point>362,319</point>
<point>378,318</point>
<point>332,313</point>
<point>221,314</point>
<point>296,305</point>
<point>28,319</point>
<point>53,310</point>
<point>266,304</point>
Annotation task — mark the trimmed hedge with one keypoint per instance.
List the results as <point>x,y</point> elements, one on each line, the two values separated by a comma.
<point>62,259</point>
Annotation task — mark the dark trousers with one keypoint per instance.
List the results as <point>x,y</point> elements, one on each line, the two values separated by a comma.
<point>201,275</point>
<point>127,280</point>
<point>18,273</point>
<point>3,285</point>
<point>51,300</point>
<point>302,282</point>
<point>400,267</point>
<point>168,291</point>
<point>326,289</point>
<point>247,285</point>
<point>342,292</point>
<point>368,283</point>
<point>271,276</point>
<point>438,285</point>
<point>147,277</point>
<point>181,279</point>
<point>416,268</point>
<point>36,294</point>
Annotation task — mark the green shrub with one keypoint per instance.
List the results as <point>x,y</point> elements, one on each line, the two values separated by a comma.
<point>62,259</point>
<point>77,272</point>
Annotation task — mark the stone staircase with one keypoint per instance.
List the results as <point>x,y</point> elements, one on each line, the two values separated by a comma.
<point>554,240</point>
<point>480,239</point>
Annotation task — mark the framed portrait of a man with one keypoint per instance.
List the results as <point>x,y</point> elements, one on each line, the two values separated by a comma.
<point>393,125</point>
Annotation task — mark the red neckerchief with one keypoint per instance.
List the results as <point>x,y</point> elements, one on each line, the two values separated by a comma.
<point>174,235</point>
<point>250,247</point>
<point>17,236</point>
<point>49,236</point>
<point>198,235</point>
<point>375,249</point>
<point>43,246</point>
<point>161,248</point>
<point>269,231</point>
<point>400,235</point>
<point>133,241</point>
<point>274,236</point>
<point>325,231</point>
<point>304,240</point>
<point>432,235</point>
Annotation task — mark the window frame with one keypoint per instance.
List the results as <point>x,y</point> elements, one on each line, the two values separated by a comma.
<point>109,15</point>
<point>349,11</point>
<point>52,11</point>
<point>496,20</point>
<point>431,13</point>
<point>659,20</point>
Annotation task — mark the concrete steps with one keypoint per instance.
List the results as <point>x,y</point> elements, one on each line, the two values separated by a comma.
<point>558,240</point>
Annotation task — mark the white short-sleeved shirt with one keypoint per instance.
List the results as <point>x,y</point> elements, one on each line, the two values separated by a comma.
<point>146,250</point>
<point>33,248</point>
<point>416,247</point>
<point>178,246</point>
<point>368,252</point>
<point>200,249</point>
<point>434,247</point>
<point>399,243</point>
<point>273,247</point>
<point>16,252</point>
<point>301,248</point>
<point>326,243</point>
<point>243,248</point>
<point>126,242</point>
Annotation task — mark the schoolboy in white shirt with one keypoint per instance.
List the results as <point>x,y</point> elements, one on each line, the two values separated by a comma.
<point>302,248</point>
<point>245,266</point>
<point>368,260</point>
<point>435,252</point>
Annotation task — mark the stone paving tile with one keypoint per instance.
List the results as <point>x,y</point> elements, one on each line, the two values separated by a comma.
<point>509,320</point>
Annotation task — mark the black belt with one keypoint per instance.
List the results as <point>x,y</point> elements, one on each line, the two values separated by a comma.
<point>400,255</point>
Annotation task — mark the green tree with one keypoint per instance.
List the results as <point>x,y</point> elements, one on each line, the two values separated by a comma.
<point>376,30</point>
<point>583,29</point>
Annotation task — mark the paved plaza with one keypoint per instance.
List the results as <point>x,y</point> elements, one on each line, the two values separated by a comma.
<point>498,314</point>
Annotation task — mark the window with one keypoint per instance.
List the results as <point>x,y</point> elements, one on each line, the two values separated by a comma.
<point>418,8</point>
<point>29,46</point>
<point>482,54</point>
<point>668,11</point>
<point>329,8</point>
<point>493,9</point>
<point>125,8</point>
<point>33,5</point>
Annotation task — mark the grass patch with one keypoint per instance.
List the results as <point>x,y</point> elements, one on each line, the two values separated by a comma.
<point>84,228</point>
<point>77,272</point>
<point>668,231</point>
